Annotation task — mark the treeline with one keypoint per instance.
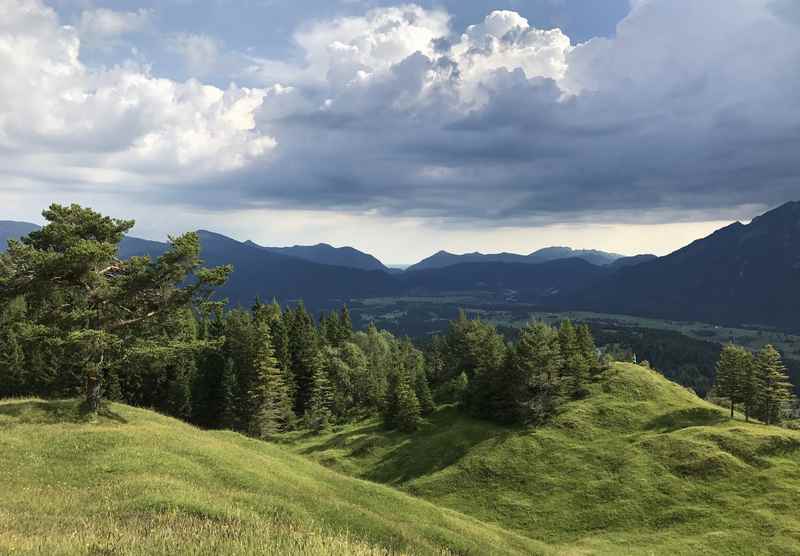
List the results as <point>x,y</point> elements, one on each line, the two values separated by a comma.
<point>521,382</point>
<point>75,320</point>
<point>758,382</point>
<point>269,370</point>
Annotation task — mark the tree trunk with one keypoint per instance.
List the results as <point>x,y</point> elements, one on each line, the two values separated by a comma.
<point>731,409</point>
<point>93,390</point>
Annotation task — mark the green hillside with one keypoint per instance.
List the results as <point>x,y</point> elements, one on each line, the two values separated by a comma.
<point>134,482</point>
<point>642,464</point>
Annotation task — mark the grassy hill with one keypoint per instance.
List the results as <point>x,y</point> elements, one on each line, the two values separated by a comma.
<point>642,464</point>
<point>134,482</point>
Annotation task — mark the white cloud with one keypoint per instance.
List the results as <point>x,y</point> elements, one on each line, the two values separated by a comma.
<point>350,48</point>
<point>63,121</point>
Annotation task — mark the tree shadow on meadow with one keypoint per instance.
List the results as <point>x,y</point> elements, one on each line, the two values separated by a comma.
<point>690,417</point>
<point>55,412</point>
<point>442,440</point>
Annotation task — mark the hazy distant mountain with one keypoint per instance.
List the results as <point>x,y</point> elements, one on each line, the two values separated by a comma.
<point>513,281</point>
<point>14,230</point>
<point>443,259</point>
<point>128,247</point>
<point>261,272</point>
<point>327,254</point>
<point>741,274</point>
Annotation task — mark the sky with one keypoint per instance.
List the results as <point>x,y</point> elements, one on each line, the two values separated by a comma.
<point>632,126</point>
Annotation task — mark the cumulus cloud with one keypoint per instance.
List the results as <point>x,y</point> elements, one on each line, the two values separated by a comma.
<point>61,121</point>
<point>688,112</point>
<point>689,109</point>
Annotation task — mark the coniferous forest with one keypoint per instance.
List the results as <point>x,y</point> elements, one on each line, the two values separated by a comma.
<point>79,321</point>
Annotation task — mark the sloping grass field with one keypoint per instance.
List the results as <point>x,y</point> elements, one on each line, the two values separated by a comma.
<point>642,466</point>
<point>134,482</point>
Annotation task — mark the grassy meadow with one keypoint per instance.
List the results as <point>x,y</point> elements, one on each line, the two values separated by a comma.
<point>642,463</point>
<point>134,482</point>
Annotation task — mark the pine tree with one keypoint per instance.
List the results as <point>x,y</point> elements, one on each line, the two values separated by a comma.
<point>229,393</point>
<point>748,385</point>
<point>730,374</point>
<point>303,353</point>
<point>279,329</point>
<point>401,408</point>
<point>423,391</point>
<point>532,376</point>
<point>101,309</point>
<point>774,388</point>
<point>408,408</point>
<point>268,401</point>
<point>587,349</point>
<point>574,367</point>
<point>345,325</point>
<point>318,416</point>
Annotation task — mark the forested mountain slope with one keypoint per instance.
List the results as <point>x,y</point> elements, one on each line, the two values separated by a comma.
<point>741,274</point>
<point>641,463</point>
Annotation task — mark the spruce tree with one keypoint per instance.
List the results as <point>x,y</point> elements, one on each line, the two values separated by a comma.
<point>532,376</point>
<point>303,344</point>
<point>748,385</point>
<point>730,374</point>
<point>401,408</point>
<point>408,408</point>
<point>318,414</point>
<point>575,368</point>
<point>587,349</point>
<point>774,388</point>
<point>229,393</point>
<point>268,400</point>
<point>345,325</point>
<point>423,391</point>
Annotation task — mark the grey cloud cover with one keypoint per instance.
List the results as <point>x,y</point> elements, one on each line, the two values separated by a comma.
<point>687,111</point>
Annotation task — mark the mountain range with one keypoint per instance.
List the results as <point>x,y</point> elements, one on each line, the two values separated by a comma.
<point>741,274</point>
<point>443,259</point>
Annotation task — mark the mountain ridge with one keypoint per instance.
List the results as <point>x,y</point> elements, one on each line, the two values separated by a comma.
<point>443,259</point>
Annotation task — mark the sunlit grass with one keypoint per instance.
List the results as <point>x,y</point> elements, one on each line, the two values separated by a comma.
<point>642,466</point>
<point>129,481</point>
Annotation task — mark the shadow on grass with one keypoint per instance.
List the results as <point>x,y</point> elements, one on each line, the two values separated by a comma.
<point>395,457</point>
<point>55,411</point>
<point>683,418</point>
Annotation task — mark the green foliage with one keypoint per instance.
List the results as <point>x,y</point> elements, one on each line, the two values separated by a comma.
<point>760,383</point>
<point>87,313</point>
<point>774,390</point>
<point>318,414</point>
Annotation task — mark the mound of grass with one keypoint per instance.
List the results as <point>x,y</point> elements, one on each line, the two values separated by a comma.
<point>642,466</point>
<point>129,481</point>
